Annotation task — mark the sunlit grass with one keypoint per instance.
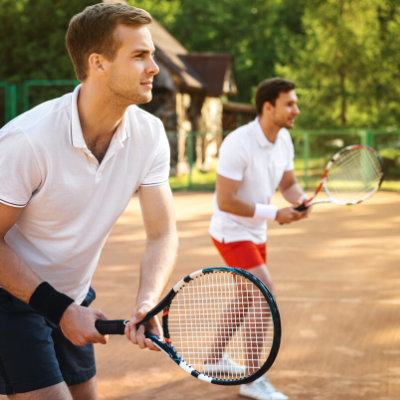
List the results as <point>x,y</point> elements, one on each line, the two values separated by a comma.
<point>178,183</point>
<point>200,180</point>
<point>206,180</point>
<point>393,186</point>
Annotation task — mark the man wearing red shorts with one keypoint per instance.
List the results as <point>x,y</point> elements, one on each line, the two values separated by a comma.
<point>255,160</point>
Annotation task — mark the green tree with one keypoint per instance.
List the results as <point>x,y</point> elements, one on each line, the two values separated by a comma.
<point>33,44</point>
<point>342,54</point>
<point>33,36</point>
<point>346,64</point>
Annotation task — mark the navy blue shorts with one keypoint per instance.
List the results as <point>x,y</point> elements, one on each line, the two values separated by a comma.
<point>34,353</point>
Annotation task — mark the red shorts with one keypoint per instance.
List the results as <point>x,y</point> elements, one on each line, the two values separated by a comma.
<point>245,255</point>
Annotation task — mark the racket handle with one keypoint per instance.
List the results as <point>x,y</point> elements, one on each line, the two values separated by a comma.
<point>301,207</point>
<point>115,327</point>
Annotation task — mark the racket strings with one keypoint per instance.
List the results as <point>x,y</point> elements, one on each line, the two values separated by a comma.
<point>221,325</point>
<point>354,175</point>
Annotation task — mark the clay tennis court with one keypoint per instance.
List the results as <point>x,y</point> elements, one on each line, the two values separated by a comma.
<point>337,276</point>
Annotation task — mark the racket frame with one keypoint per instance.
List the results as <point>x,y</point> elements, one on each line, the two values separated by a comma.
<point>118,326</point>
<point>322,183</point>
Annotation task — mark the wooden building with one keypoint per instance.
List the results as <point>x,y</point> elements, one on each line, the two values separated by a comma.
<point>237,114</point>
<point>187,97</point>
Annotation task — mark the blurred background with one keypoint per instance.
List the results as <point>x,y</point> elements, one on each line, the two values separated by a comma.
<point>343,55</point>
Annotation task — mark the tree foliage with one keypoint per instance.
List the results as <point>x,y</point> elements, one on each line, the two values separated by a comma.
<point>347,63</point>
<point>33,36</point>
<point>343,55</point>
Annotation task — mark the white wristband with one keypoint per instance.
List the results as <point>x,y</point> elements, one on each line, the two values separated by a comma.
<point>265,211</point>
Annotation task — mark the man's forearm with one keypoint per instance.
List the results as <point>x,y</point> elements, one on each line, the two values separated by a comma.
<point>294,193</point>
<point>16,277</point>
<point>237,206</point>
<point>156,267</point>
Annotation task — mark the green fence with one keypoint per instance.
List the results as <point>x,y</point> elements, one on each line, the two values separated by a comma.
<point>17,99</point>
<point>196,178</point>
<point>28,84</point>
<point>313,149</point>
<point>8,102</point>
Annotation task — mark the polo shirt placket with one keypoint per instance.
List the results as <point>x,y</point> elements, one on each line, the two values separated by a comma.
<point>78,141</point>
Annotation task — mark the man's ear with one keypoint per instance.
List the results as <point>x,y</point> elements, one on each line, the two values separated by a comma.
<point>267,108</point>
<point>97,64</point>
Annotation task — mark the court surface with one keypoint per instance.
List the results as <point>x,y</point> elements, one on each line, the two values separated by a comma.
<point>337,277</point>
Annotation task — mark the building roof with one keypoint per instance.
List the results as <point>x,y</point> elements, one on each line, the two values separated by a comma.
<point>216,70</point>
<point>167,50</point>
<point>246,108</point>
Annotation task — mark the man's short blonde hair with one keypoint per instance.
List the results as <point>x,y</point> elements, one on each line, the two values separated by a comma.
<point>92,31</point>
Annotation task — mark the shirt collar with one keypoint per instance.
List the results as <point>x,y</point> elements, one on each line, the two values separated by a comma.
<point>261,138</point>
<point>121,134</point>
<point>76,135</point>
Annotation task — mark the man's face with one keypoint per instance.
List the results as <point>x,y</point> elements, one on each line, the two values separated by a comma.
<point>285,111</point>
<point>130,74</point>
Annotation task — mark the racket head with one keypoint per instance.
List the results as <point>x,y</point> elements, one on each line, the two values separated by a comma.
<point>353,175</point>
<point>223,315</point>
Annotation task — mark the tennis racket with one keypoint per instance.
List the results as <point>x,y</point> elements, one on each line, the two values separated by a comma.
<point>353,175</point>
<point>221,325</point>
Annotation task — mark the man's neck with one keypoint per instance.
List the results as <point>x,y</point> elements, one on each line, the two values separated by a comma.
<point>99,113</point>
<point>269,129</point>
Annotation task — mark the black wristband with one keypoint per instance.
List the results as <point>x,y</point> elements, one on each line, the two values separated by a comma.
<point>50,303</point>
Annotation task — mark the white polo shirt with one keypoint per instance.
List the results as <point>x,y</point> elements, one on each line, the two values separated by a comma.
<point>246,155</point>
<point>71,202</point>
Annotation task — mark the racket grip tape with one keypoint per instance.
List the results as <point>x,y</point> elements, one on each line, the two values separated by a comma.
<point>301,207</point>
<point>115,327</point>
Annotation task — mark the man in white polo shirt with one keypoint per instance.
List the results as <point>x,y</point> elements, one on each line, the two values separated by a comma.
<point>254,160</point>
<point>68,169</point>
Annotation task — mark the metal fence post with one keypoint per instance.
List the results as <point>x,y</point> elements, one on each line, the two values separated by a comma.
<point>7,103</point>
<point>190,158</point>
<point>368,139</point>
<point>25,94</point>
<point>13,102</point>
<point>6,100</point>
<point>306,156</point>
<point>364,138</point>
<point>43,83</point>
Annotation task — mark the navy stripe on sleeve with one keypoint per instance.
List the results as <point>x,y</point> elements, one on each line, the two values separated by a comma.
<point>154,184</point>
<point>12,204</point>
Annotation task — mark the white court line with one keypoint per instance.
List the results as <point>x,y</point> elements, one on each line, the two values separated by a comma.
<point>333,300</point>
<point>332,279</point>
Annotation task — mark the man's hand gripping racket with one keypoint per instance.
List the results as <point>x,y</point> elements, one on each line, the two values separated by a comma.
<point>135,329</point>
<point>220,325</point>
<point>353,175</point>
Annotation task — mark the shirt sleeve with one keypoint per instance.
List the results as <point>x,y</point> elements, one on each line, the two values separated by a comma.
<point>232,160</point>
<point>158,173</point>
<point>19,170</point>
